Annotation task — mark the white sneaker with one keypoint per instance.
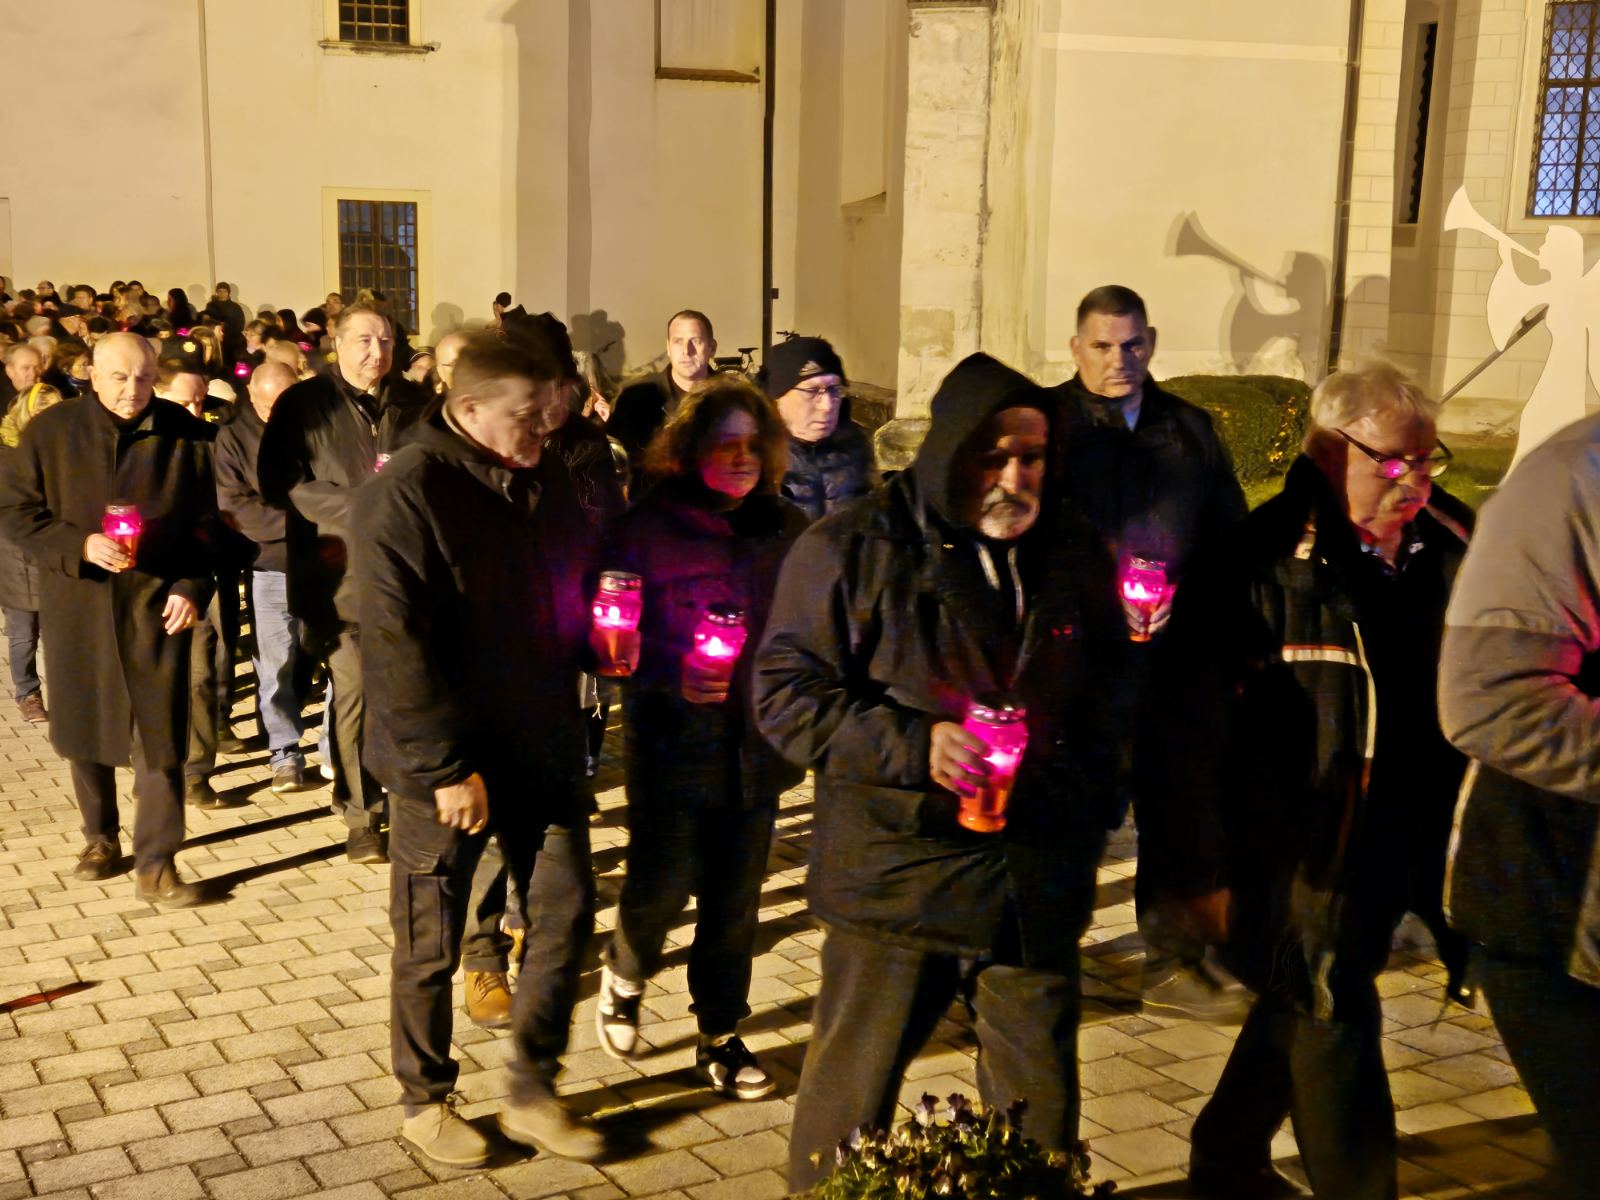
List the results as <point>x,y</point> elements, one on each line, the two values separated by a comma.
<point>616,1016</point>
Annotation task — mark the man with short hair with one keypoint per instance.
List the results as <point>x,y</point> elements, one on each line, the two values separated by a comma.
<point>948,588</point>
<point>277,631</point>
<point>830,456</point>
<point>644,405</point>
<point>1150,473</point>
<point>327,436</point>
<point>469,564</point>
<point>226,311</point>
<point>117,618</point>
<point>1306,787</point>
<point>445,354</point>
<point>19,576</point>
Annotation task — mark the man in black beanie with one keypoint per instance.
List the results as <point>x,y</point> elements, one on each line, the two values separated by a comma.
<point>830,456</point>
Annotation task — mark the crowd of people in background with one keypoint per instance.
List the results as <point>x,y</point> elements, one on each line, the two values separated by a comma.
<point>1061,611</point>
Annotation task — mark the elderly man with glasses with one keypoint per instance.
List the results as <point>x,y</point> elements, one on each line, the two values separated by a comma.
<point>1307,786</point>
<point>830,456</point>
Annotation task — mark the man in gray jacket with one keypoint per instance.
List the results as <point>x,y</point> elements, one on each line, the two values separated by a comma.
<point>1518,689</point>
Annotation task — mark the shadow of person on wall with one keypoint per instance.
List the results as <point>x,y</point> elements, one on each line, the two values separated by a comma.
<point>446,318</point>
<point>597,334</point>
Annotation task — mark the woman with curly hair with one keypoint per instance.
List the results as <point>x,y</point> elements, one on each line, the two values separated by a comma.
<point>702,785</point>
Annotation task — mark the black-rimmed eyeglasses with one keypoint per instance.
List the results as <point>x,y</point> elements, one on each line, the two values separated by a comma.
<point>1392,466</point>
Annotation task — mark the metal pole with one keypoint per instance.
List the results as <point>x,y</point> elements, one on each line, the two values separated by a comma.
<point>1517,335</point>
<point>769,108</point>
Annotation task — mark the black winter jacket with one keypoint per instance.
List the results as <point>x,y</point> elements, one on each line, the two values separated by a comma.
<point>239,491</point>
<point>320,445</point>
<point>691,556</point>
<point>1295,754</point>
<point>642,407</point>
<point>884,625</point>
<point>470,597</point>
<point>1518,691</point>
<point>1162,489</point>
<point>111,661</point>
<point>826,475</point>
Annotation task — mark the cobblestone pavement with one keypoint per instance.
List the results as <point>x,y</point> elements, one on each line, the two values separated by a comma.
<point>241,1050</point>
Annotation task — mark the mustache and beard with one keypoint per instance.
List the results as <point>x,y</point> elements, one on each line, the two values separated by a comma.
<point>1003,514</point>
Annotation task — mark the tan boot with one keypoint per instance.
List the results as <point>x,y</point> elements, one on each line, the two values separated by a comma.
<point>545,1122</point>
<point>488,999</point>
<point>446,1138</point>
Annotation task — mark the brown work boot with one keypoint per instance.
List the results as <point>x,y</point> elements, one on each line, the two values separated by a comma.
<point>488,999</point>
<point>446,1138</point>
<point>546,1123</point>
<point>32,708</point>
<point>161,884</point>
<point>98,860</point>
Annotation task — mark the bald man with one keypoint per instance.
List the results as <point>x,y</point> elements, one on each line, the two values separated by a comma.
<point>117,618</point>
<point>278,698</point>
<point>445,354</point>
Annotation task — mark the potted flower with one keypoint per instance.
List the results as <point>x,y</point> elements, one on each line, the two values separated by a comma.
<point>959,1152</point>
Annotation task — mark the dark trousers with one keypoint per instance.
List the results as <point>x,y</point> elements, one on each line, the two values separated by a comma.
<point>430,878</point>
<point>1551,1026</point>
<point>356,794</point>
<point>22,640</point>
<point>157,812</point>
<point>877,1007</point>
<point>1328,1077</point>
<point>719,854</point>
<point>486,946</point>
<point>210,668</point>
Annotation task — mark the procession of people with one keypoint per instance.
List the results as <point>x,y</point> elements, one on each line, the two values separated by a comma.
<point>1060,614</point>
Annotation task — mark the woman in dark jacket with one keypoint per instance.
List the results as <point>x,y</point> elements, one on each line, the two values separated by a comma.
<point>702,786</point>
<point>179,311</point>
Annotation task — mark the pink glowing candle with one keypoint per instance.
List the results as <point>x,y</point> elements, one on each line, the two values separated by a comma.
<point>618,603</point>
<point>718,639</point>
<point>241,370</point>
<point>123,525</point>
<point>382,461</point>
<point>1143,584</point>
<point>1001,723</point>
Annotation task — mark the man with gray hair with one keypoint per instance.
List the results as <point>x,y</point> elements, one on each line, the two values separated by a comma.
<point>1306,785</point>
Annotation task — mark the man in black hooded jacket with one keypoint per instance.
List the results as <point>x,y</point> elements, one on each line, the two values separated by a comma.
<point>891,617</point>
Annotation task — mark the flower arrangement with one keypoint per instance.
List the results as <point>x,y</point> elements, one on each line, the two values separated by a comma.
<point>961,1153</point>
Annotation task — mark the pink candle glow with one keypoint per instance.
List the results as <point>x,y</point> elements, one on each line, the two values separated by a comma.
<point>123,525</point>
<point>241,370</point>
<point>1001,722</point>
<point>618,603</point>
<point>718,639</point>
<point>382,461</point>
<point>1143,584</point>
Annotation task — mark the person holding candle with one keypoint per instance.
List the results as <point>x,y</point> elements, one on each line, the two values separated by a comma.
<point>117,611</point>
<point>702,785</point>
<point>1150,473</point>
<point>920,639</point>
<point>470,567</point>
<point>1308,781</point>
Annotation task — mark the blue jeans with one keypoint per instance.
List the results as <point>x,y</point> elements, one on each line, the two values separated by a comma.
<point>22,633</point>
<point>278,701</point>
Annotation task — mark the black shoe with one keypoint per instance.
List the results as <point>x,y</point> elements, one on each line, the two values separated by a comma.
<point>163,885</point>
<point>1215,1182</point>
<point>201,794</point>
<point>729,1067</point>
<point>365,846</point>
<point>289,777</point>
<point>98,860</point>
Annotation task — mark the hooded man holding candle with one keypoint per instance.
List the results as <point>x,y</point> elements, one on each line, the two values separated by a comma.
<point>960,598</point>
<point>119,598</point>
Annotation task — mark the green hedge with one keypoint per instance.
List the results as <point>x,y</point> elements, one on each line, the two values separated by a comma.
<point>1261,418</point>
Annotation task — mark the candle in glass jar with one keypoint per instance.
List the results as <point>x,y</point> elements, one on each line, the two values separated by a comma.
<point>718,639</point>
<point>123,525</point>
<point>1143,584</point>
<point>618,603</point>
<point>1001,722</point>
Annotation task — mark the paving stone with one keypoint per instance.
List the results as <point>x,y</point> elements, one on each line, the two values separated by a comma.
<point>118,1129</point>
<point>264,1183</point>
<point>547,1175</point>
<point>761,1185</point>
<point>174,1183</point>
<point>28,1130</point>
<point>370,1161</point>
<point>147,1093</point>
<point>79,1170</point>
<point>173,1149</point>
<point>657,1172</point>
<point>209,1111</point>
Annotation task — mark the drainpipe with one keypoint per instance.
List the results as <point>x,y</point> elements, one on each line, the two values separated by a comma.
<point>769,108</point>
<point>1341,211</point>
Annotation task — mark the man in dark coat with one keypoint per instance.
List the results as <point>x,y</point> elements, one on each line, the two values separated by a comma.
<point>326,438</point>
<point>830,456</point>
<point>226,312</point>
<point>469,564</point>
<point>1517,691</point>
<point>117,624</point>
<point>1304,778</point>
<point>1149,472</point>
<point>277,631</point>
<point>19,578</point>
<point>891,617</point>
<point>644,405</point>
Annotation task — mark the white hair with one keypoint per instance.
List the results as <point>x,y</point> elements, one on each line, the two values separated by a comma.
<point>1369,389</point>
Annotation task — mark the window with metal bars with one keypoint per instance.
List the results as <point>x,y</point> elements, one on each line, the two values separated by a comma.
<point>1566,163</point>
<point>384,21</point>
<point>378,249</point>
